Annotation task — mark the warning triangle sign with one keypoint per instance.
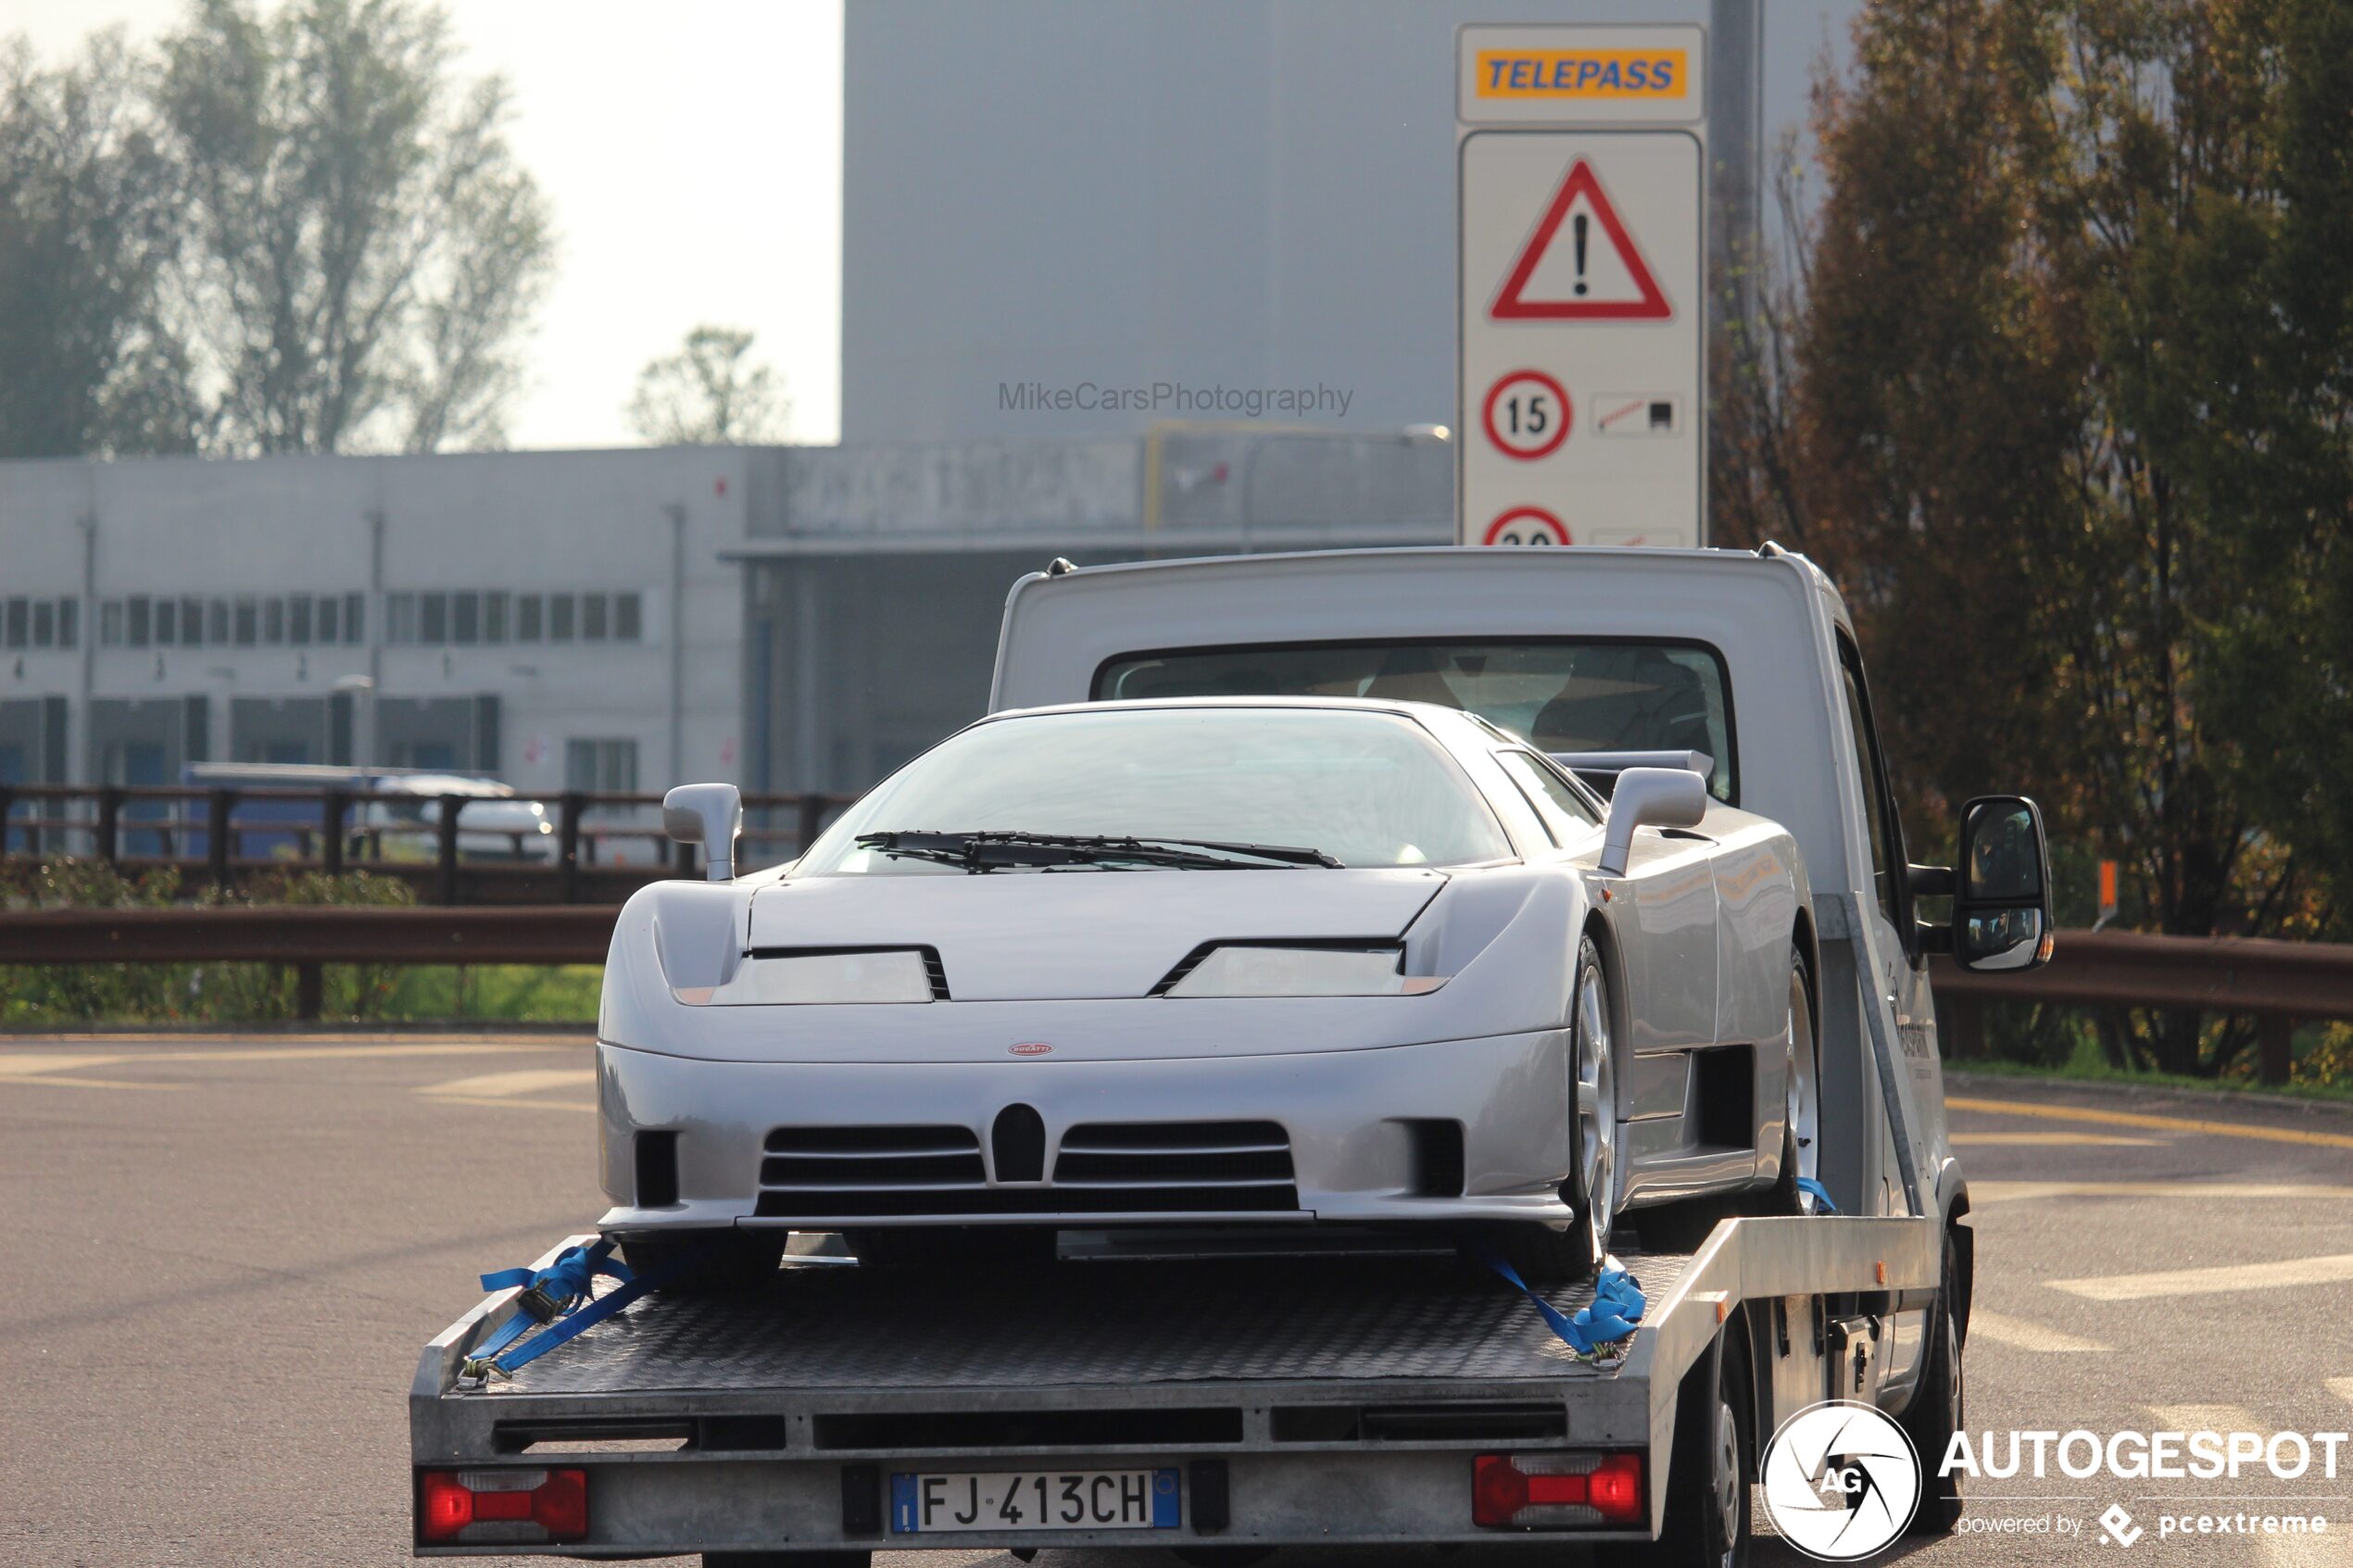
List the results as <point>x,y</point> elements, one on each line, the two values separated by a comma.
<point>1581,264</point>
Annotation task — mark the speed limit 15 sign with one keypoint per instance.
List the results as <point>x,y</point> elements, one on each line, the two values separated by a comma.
<point>1527,415</point>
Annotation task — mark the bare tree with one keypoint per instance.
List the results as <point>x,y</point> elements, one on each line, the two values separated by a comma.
<point>710,393</point>
<point>364,253</point>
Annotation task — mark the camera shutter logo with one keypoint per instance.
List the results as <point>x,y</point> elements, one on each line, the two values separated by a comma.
<point>1840,1481</point>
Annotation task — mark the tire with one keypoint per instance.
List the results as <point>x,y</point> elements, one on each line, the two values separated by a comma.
<point>1708,1499</point>
<point>941,1247</point>
<point>1539,1253</point>
<point>1938,1409</point>
<point>1802,1098</point>
<point>738,1262</point>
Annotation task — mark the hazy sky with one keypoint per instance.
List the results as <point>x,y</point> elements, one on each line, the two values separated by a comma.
<point>692,152</point>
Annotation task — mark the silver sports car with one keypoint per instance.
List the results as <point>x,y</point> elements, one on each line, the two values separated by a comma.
<point>1216,961</point>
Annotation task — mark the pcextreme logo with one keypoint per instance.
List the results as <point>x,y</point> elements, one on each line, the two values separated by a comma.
<point>1840,1481</point>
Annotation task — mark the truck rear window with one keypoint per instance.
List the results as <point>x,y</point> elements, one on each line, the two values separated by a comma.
<point>1562,695</point>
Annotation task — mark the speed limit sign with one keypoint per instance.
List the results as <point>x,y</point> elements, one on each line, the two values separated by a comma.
<point>1527,415</point>
<point>1527,526</point>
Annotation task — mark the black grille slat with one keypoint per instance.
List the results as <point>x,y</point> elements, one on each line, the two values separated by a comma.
<point>1103,1168</point>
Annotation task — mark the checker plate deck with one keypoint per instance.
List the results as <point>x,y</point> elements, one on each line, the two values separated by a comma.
<point>1075,1323</point>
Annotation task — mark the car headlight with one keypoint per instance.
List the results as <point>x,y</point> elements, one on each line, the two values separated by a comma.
<point>825,978</point>
<point>1243,969</point>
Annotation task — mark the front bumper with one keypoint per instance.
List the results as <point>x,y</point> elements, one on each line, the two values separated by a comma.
<point>1358,1125</point>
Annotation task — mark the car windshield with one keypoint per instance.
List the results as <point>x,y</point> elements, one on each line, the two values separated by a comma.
<point>1580,695</point>
<point>1368,789</point>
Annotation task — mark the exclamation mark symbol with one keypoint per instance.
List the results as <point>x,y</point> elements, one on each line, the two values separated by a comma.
<point>1577,233</point>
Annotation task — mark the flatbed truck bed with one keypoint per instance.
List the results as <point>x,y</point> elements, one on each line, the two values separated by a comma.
<point>1299,1400</point>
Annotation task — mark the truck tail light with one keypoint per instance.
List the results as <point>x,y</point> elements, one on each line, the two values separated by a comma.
<point>1552,1491</point>
<point>517,1506</point>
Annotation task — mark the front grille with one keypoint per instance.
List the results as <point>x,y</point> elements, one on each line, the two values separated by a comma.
<point>1103,1168</point>
<point>842,1170</point>
<point>1179,1165</point>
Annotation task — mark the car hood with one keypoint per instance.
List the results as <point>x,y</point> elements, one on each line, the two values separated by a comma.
<point>1076,935</point>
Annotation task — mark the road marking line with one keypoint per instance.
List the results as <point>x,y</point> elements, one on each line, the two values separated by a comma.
<point>2206,1418</point>
<point>51,1081</point>
<point>2058,1140</point>
<point>2167,1123</point>
<point>2209,1282</point>
<point>531,1104</point>
<point>499,1086</point>
<point>24,1064</point>
<point>2342,1387</point>
<point>1998,1192</point>
<point>2021,1333</point>
<point>341,1053</point>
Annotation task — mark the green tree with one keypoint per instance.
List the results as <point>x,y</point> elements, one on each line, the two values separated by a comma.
<point>87,225</point>
<point>2064,410</point>
<point>709,393</point>
<point>363,252</point>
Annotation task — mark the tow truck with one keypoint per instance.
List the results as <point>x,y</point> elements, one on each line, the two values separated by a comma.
<point>1225,1398</point>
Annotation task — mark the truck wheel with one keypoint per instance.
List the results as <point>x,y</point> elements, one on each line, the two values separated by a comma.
<point>1539,1252</point>
<point>1713,1463</point>
<point>915,1247</point>
<point>1801,1126</point>
<point>1937,1410</point>
<point>737,1262</point>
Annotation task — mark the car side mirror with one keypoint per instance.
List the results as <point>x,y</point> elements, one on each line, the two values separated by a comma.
<point>1659,797</point>
<point>710,815</point>
<point>2002,889</point>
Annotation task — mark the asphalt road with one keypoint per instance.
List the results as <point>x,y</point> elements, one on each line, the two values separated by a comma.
<point>219,1258</point>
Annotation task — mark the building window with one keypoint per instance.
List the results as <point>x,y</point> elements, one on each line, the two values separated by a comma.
<point>592,618</point>
<point>167,624</point>
<point>494,617</point>
<point>433,619</point>
<point>20,623</point>
<point>68,623</point>
<point>216,622</point>
<point>400,618</point>
<point>329,607</point>
<point>140,621</point>
<point>526,618</point>
<point>44,623</point>
<point>601,767</point>
<point>628,617</point>
<point>273,621</point>
<point>298,622</point>
<point>248,622</point>
<point>355,618</point>
<point>191,622</point>
<point>560,618</point>
<point>465,619</point>
<point>110,624</point>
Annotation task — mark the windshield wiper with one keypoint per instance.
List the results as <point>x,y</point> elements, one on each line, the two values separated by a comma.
<point>997,850</point>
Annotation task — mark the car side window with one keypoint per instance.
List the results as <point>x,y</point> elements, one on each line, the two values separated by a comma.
<point>1565,814</point>
<point>1887,857</point>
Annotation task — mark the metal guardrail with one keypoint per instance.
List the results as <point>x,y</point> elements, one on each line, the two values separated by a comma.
<point>2278,983</point>
<point>229,834</point>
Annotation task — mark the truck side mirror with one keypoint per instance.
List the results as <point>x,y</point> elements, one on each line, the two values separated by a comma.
<point>1664,797</point>
<point>2002,894</point>
<point>710,815</point>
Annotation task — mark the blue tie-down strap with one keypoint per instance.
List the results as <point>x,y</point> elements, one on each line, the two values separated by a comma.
<point>1603,1327</point>
<point>1817,1192</point>
<point>560,1301</point>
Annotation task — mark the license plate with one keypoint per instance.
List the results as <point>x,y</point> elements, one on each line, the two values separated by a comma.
<point>1054,1499</point>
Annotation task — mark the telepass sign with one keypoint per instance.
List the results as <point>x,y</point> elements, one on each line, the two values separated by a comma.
<point>1582,161</point>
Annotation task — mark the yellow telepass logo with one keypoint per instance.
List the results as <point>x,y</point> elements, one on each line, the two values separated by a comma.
<point>1583,73</point>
